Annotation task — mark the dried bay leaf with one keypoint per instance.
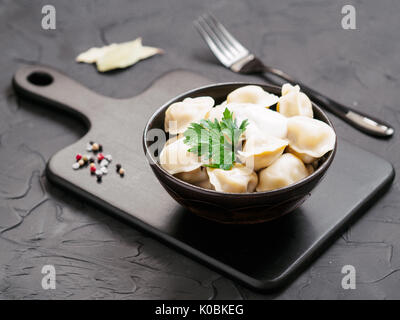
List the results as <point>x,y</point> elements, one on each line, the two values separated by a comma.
<point>116,56</point>
<point>93,54</point>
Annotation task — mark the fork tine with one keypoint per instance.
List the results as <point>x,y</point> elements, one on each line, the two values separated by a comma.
<point>236,44</point>
<point>220,35</point>
<point>210,42</point>
<point>214,36</point>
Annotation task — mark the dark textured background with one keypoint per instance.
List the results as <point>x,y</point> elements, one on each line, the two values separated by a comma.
<point>97,256</point>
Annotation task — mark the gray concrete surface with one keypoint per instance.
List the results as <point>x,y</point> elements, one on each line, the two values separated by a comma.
<point>98,257</point>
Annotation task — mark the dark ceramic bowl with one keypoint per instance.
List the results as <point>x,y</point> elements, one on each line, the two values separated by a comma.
<point>234,208</point>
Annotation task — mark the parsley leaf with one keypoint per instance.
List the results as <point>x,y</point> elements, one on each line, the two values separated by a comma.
<point>216,141</point>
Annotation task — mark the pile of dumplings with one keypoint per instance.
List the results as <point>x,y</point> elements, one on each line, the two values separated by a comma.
<point>279,147</point>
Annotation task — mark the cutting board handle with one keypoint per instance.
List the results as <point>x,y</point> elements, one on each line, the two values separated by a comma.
<point>49,86</point>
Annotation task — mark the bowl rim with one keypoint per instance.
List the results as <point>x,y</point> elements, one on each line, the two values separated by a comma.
<point>153,162</point>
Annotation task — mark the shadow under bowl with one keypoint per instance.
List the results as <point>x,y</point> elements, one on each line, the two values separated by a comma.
<point>232,208</point>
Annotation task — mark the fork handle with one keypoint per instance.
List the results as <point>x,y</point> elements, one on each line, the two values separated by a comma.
<point>357,119</point>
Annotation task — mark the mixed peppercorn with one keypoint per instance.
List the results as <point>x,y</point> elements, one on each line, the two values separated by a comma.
<point>90,160</point>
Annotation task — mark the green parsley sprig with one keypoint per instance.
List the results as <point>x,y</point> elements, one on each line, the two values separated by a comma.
<point>216,141</point>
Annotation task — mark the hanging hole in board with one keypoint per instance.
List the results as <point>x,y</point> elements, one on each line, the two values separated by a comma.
<point>40,78</point>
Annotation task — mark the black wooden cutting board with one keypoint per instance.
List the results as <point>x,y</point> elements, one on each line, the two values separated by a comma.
<point>263,256</point>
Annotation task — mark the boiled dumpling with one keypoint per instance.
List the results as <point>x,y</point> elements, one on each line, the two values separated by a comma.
<point>307,159</point>
<point>260,152</point>
<point>180,115</point>
<point>285,171</point>
<point>197,177</point>
<point>262,121</point>
<point>287,87</point>
<point>309,138</point>
<point>217,112</point>
<point>310,169</point>
<point>239,179</point>
<point>176,158</point>
<point>293,102</point>
<point>252,94</point>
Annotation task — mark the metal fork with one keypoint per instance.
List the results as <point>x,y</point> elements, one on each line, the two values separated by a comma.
<point>236,57</point>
